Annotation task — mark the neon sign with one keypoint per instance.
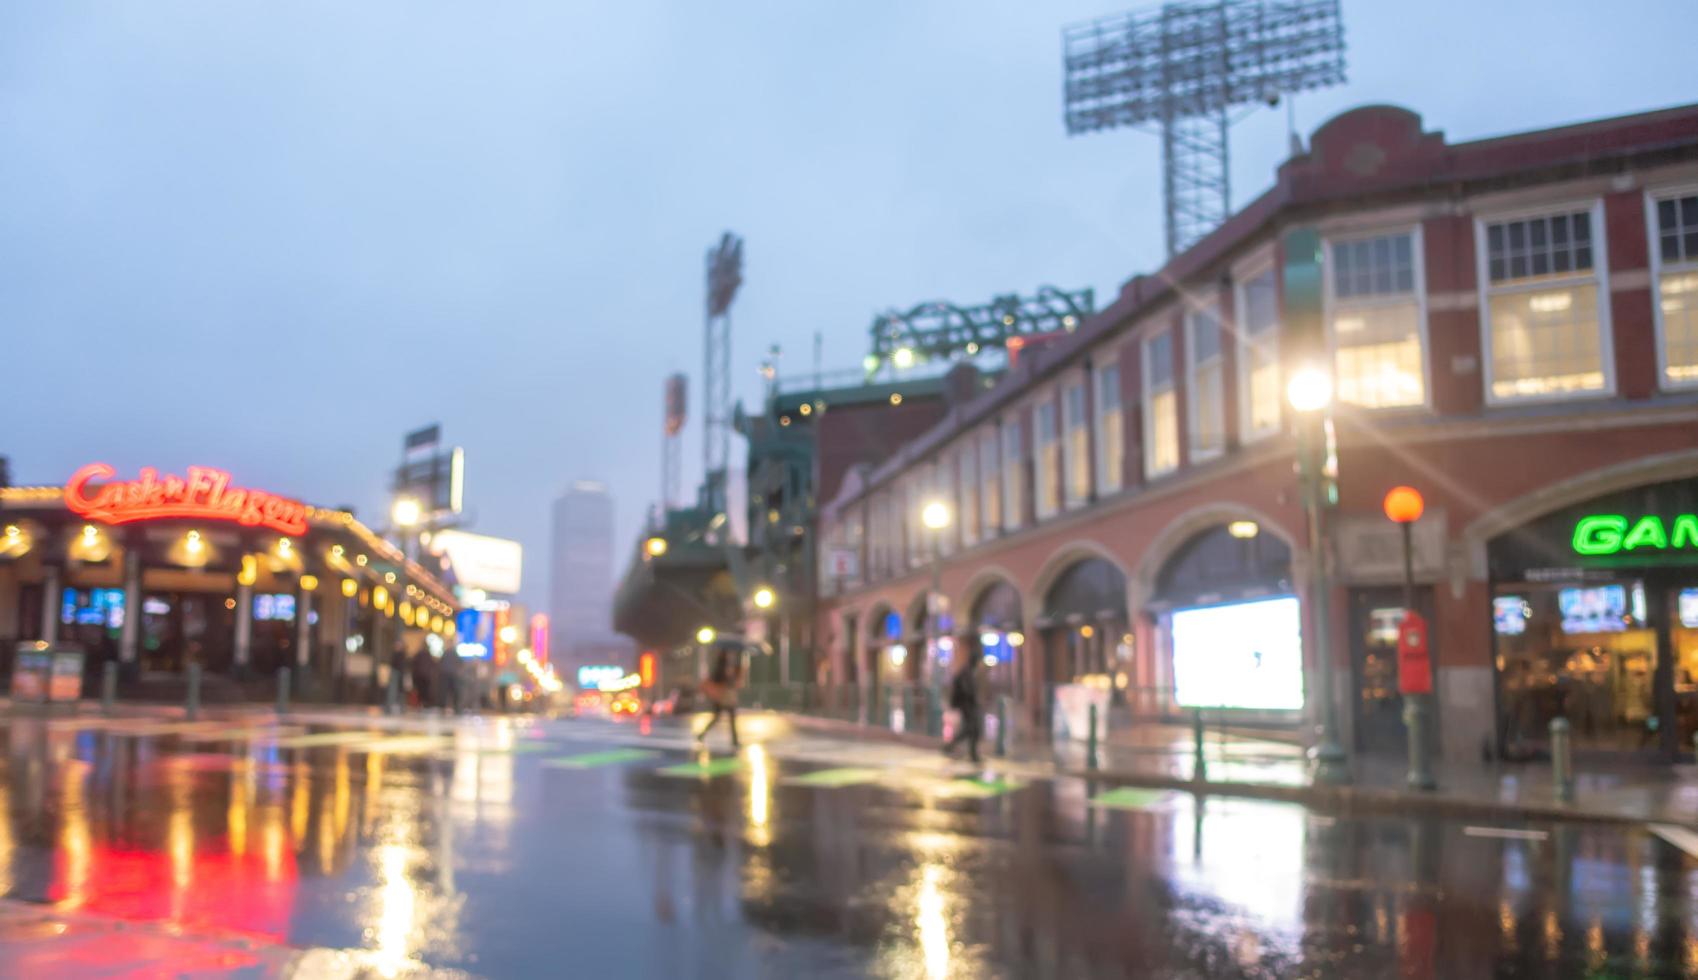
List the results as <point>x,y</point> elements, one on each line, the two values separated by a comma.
<point>1611,534</point>
<point>205,493</point>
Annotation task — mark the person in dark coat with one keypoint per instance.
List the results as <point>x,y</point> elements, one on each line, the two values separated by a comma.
<point>964,698</point>
<point>720,689</point>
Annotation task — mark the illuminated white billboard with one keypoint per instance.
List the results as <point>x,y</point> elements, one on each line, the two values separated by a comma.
<point>1244,655</point>
<point>480,561</point>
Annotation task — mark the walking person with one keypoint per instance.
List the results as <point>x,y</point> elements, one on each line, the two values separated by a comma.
<point>721,690</point>
<point>964,698</point>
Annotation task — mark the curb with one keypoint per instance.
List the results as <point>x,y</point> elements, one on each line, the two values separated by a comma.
<point>1338,799</point>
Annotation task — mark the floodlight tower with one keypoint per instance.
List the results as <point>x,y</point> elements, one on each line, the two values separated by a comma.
<point>1184,67</point>
<point>672,440</point>
<point>724,275</point>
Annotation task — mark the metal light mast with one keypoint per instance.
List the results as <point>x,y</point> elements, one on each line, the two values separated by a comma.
<point>724,275</point>
<point>672,441</point>
<point>941,330</point>
<point>1183,67</point>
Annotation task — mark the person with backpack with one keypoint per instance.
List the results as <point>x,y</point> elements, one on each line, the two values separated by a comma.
<point>720,689</point>
<point>964,698</point>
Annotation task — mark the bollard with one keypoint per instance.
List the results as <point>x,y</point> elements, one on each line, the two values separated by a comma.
<point>392,697</point>
<point>108,686</point>
<point>934,713</point>
<point>193,705</point>
<point>1562,764</point>
<point>282,690</point>
<point>1199,768</point>
<point>1002,726</point>
<point>1091,741</point>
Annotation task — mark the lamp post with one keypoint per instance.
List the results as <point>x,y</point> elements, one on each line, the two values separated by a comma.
<point>1404,506</point>
<point>936,517</point>
<point>1309,392</point>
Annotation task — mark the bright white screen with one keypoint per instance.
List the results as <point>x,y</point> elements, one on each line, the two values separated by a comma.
<point>1246,655</point>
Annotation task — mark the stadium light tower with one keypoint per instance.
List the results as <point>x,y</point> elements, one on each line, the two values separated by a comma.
<point>1184,67</point>
<point>724,275</point>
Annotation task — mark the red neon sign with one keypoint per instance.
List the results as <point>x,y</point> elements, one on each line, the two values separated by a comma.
<point>206,493</point>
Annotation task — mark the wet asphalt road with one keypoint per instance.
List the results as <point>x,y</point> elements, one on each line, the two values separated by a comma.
<point>575,848</point>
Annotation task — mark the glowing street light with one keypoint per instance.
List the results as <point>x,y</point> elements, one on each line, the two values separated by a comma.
<point>705,635</point>
<point>765,598</point>
<point>406,512</point>
<point>903,358</point>
<point>935,515</point>
<point>1309,389</point>
<point>654,547</point>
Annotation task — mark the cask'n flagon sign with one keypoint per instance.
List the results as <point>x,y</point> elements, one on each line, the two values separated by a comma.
<point>204,494</point>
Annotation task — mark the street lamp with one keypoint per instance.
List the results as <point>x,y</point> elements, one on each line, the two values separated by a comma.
<point>655,547</point>
<point>936,516</point>
<point>705,635</point>
<point>1309,391</point>
<point>764,598</point>
<point>1403,507</point>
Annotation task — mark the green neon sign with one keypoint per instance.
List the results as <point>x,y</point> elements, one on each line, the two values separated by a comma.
<point>1612,534</point>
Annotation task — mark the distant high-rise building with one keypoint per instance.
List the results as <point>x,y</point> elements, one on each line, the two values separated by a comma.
<point>580,582</point>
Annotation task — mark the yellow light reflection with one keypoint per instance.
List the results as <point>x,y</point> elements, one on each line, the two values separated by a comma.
<point>298,804</point>
<point>395,920</point>
<point>74,838</point>
<point>760,797</point>
<point>1506,927</point>
<point>932,923</point>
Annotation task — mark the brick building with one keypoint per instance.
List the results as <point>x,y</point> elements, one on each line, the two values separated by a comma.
<point>1510,325</point>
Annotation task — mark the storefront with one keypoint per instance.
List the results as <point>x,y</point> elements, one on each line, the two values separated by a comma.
<point>1230,624</point>
<point>1595,619</point>
<point>1086,638</point>
<point>164,570</point>
<point>995,634</point>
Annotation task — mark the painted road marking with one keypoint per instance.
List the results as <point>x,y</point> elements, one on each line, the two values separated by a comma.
<point>1128,798</point>
<point>704,770</point>
<point>243,734</point>
<point>490,748</point>
<point>590,760</point>
<point>836,778</point>
<point>1507,833</point>
<point>977,788</point>
<point>1680,837</point>
<point>327,738</point>
<point>151,728</point>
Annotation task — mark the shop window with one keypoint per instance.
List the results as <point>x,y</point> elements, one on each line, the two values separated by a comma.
<point>1046,458</point>
<point>1376,321</point>
<point>1674,258</point>
<point>1546,324</point>
<point>990,486</point>
<point>1206,393</point>
<point>1581,652</point>
<point>1161,407</point>
<point>1013,492</point>
<point>1076,445</point>
<point>1258,356</point>
<point>1111,429</point>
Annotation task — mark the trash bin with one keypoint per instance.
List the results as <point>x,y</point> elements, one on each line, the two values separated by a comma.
<point>43,673</point>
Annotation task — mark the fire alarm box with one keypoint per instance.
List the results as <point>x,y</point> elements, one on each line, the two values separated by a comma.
<point>1414,664</point>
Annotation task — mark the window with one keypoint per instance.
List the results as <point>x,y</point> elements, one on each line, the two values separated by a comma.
<point>1013,491</point>
<point>1111,435</point>
<point>990,484</point>
<point>1161,407</point>
<point>1205,395</point>
<point>967,484</point>
<point>1674,260</point>
<point>1545,324</point>
<point>1376,320</point>
<point>1075,445</point>
<point>1258,356</point>
<point>1046,458</point>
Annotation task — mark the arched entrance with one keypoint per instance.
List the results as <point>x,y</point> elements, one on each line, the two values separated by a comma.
<point>996,634</point>
<point>1228,623</point>
<point>1084,625</point>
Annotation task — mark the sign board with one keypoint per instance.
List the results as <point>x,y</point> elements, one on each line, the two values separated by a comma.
<point>480,561</point>
<point>66,682</point>
<point>203,493</point>
<point>1613,534</point>
<point>1370,549</point>
<point>843,563</point>
<point>591,677</point>
<point>1073,711</point>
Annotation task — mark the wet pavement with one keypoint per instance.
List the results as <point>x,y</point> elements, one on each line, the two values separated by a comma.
<point>347,846</point>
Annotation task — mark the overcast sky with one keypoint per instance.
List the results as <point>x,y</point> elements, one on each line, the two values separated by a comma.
<point>275,236</point>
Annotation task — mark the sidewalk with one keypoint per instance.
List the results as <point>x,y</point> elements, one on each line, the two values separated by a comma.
<point>1238,764</point>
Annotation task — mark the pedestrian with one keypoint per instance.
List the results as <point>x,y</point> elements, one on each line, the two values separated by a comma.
<point>720,689</point>
<point>964,698</point>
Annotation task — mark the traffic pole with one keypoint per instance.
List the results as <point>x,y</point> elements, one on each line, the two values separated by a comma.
<point>1562,762</point>
<point>108,686</point>
<point>282,690</point>
<point>1002,726</point>
<point>1091,741</point>
<point>1200,765</point>
<point>192,707</point>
